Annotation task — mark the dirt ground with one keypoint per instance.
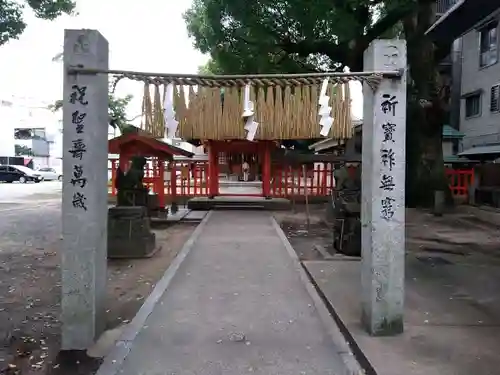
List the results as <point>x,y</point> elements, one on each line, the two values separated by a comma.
<point>452,299</point>
<point>456,233</point>
<point>29,311</point>
<point>303,237</point>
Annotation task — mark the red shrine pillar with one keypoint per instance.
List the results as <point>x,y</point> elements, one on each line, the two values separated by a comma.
<point>173,181</point>
<point>160,182</point>
<point>266,171</point>
<point>113,177</point>
<point>213,170</point>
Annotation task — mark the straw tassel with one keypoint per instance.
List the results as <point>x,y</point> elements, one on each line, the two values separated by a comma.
<point>158,121</point>
<point>261,111</point>
<point>147,110</point>
<point>347,100</point>
<point>266,131</point>
<point>287,106</point>
<point>289,112</point>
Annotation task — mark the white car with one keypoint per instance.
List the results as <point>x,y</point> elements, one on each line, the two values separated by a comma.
<point>50,174</point>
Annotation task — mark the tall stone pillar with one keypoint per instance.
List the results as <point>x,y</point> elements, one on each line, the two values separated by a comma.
<point>383,191</point>
<point>85,191</point>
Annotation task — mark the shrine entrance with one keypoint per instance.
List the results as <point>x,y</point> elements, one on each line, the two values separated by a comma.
<point>239,168</point>
<point>245,115</point>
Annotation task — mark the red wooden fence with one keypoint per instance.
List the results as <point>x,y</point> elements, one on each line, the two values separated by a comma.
<point>290,181</point>
<point>190,179</point>
<point>460,180</point>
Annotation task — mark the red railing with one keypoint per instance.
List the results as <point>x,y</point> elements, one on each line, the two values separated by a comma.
<point>182,179</point>
<point>290,181</point>
<point>192,179</point>
<point>460,180</point>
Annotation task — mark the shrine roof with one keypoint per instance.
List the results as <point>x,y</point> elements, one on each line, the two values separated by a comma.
<point>151,146</point>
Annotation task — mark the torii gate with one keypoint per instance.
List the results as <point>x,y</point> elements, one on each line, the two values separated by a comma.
<point>85,158</point>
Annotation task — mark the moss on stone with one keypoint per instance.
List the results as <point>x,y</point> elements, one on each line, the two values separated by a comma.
<point>391,327</point>
<point>387,328</point>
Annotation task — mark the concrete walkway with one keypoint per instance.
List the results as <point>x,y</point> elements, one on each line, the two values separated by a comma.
<point>239,303</point>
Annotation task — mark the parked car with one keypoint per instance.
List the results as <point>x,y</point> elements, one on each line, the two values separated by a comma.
<point>12,173</point>
<point>50,174</point>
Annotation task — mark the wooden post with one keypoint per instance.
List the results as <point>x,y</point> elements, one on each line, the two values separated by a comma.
<point>113,177</point>
<point>306,196</point>
<point>213,170</point>
<point>173,181</point>
<point>266,172</point>
<point>160,182</point>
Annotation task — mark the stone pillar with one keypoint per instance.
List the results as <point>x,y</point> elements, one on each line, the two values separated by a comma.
<point>85,192</point>
<point>383,191</point>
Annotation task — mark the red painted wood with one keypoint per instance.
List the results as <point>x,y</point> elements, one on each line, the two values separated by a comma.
<point>459,181</point>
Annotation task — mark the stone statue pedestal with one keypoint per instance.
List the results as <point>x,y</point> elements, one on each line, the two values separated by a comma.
<point>138,197</point>
<point>129,233</point>
<point>132,197</point>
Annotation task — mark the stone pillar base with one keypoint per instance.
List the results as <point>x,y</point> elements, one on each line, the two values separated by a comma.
<point>129,233</point>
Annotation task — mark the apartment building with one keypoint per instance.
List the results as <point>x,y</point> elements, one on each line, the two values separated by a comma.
<point>29,132</point>
<point>472,27</point>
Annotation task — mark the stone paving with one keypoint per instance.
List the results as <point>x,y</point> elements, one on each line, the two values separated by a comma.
<point>237,304</point>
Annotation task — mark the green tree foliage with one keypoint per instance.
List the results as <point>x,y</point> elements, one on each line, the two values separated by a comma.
<point>12,23</point>
<point>117,110</point>
<point>210,68</point>
<point>289,36</point>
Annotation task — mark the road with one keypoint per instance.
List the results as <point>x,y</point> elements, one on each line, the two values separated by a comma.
<point>29,215</point>
<point>16,193</point>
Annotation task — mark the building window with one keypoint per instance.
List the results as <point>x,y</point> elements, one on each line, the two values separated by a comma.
<point>495,99</point>
<point>488,41</point>
<point>473,105</point>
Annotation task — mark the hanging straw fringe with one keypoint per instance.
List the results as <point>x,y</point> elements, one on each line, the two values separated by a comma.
<point>283,112</point>
<point>158,125</point>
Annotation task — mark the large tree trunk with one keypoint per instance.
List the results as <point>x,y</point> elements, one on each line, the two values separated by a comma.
<point>426,113</point>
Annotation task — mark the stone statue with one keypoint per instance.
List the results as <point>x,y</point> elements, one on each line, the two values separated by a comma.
<point>129,230</point>
<point>130,190</point>
<point>346,209</point>
<point>345,180</point>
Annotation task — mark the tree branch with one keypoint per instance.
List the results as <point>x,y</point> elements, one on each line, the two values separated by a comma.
<point>378,28</point>
<point>336,52</point>
<point>350,53</point>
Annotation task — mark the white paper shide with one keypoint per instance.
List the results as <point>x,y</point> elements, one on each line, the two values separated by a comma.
<point>249,115</point>
<point>324,112</point>
<point>171,123</point>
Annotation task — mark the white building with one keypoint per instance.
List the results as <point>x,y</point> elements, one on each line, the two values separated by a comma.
<point>30,131</point>
<point>473,28</point>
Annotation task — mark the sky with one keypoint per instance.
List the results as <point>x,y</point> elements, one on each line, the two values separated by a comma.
<point>146,35</point>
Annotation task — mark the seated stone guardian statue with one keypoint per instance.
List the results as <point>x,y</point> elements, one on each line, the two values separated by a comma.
<point>346,209</point>
<point>129,184</point>
<point>129,230</point>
